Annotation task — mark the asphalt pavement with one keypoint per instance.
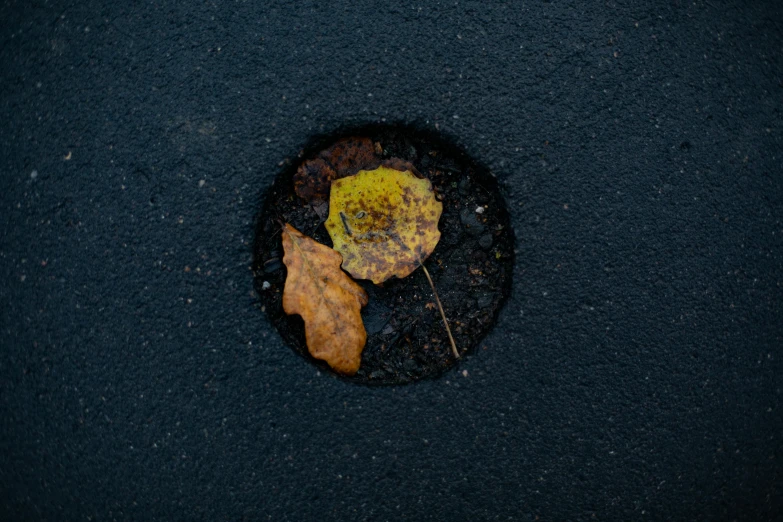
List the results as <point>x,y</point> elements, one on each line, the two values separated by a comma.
<point>634,374</point>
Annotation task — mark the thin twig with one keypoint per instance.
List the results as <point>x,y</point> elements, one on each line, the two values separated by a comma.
<point>440,307</point>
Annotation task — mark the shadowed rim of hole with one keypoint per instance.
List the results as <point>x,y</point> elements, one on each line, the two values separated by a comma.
<point>421,137</point>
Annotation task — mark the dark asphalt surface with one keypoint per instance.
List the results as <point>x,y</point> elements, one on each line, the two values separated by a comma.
<point>635,373</point>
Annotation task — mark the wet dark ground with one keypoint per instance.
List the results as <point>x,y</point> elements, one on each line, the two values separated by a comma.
<point>635,372</point>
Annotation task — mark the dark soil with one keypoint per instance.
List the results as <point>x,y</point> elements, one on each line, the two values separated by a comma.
<point>471,266</point>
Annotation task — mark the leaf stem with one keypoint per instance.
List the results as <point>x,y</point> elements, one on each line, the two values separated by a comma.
<point>440,307</point>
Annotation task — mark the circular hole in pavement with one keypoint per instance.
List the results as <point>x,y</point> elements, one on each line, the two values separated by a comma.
<point>471,265</point>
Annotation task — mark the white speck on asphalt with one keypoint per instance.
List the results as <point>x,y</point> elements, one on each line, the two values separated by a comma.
<point>479,210</point>
<point>202,182</point>
<point>265,285</point>
<point>34,174</point>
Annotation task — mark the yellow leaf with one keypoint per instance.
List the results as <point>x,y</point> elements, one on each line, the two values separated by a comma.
<point>328,300</point>
<point>384,222</point>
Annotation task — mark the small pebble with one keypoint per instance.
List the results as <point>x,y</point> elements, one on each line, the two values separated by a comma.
<point>375,317</point>
<point>485,241</point>
<point>34,174</point>
<point>410,365</point>
<point>464,373</point>
<point>265,285</point>
<point>471,222</point>
<point>479,210</point>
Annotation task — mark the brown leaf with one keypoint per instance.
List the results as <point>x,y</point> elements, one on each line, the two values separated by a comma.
<point>328,300</point>
<point>401,165</point>
<point>345,158</point>
<point>350,155</point>
<point>313,179</point>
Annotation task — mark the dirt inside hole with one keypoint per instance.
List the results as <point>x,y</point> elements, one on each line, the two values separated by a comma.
<point>471,265</point>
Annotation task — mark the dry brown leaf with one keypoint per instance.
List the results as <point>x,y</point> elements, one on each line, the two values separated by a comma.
<point>328,300</point>
<point>313,179</point>
<point>345,158</point>
<point>400,164</point>
<point>350,155</point>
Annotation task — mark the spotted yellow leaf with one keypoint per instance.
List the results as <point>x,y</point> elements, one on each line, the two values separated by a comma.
<point>384,222</point>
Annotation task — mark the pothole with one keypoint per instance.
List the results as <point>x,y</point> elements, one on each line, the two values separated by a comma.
<point>471,265</point>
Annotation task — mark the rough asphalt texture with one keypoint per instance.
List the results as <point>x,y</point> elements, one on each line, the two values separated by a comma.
<point>635,373</point>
